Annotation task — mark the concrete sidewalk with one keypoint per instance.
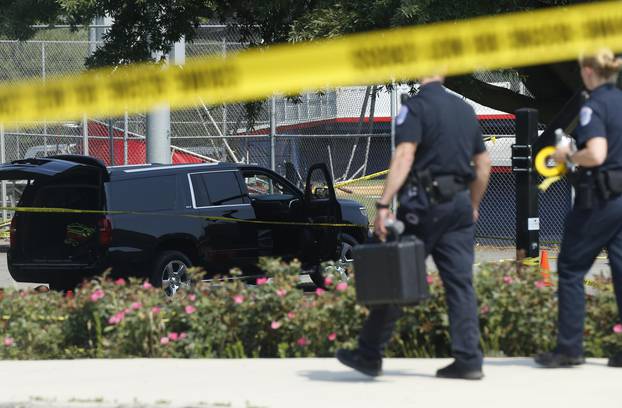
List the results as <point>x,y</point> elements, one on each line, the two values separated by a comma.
<point>301,383</point>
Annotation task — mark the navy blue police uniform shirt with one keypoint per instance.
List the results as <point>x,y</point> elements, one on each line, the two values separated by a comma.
<point>601,116</point>
<point>445,129</point>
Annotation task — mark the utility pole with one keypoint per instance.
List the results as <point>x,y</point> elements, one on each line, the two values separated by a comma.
<point>159,118</point>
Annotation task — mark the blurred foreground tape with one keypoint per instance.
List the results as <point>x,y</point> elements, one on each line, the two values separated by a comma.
<point>511,40</point>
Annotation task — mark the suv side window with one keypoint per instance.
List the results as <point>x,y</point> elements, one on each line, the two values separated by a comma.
<point>216,188</point>
<point>262,184</point>
<point>143,194</point>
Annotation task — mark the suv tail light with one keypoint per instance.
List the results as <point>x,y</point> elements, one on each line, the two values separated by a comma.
<point>105,231</point>
<point>13,232</point>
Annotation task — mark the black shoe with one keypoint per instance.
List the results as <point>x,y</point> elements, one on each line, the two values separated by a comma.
<point>553,359</point>
<point>356,360</point>
<point>454,370</point>
<point>615,360</point>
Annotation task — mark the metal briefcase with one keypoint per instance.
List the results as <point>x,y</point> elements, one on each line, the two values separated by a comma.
<point>391,272</point>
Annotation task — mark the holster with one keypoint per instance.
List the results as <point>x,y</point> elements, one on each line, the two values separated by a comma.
<point>584,184</point>
<point>440,188</point>
<point>589,183</point>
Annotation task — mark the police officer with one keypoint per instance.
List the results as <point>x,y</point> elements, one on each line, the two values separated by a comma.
<point>441,170</point>
<point>595,222</point>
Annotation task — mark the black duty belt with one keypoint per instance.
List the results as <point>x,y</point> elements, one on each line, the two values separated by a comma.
<point>440,188</point>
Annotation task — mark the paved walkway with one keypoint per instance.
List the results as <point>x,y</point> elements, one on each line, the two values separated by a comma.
<point>301,383</point>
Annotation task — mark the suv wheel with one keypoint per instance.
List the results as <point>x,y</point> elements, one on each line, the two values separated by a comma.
<point>345,245</point>
<point>170,272</point>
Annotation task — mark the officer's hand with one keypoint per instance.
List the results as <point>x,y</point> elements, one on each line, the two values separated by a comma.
<point>475,214</point>
<point>379,223</point>
<point>561,153</point>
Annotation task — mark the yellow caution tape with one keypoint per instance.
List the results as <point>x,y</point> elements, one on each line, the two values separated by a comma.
<point>368,177</point>
<point>548,168</point>
<point>485,43</point>
<point>45,210</point>
<point>543,161</point>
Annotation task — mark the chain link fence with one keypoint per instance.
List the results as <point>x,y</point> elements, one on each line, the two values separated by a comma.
<point>349,129</point>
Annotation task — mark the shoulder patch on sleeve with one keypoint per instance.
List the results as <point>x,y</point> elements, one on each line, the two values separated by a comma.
<point>585,116</point>
<point>401,116</point>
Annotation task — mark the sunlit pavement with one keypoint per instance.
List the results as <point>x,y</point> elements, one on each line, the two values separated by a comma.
<point>299,383</point>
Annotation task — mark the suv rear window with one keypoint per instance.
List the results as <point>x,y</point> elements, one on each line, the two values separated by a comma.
<point>216,188</point>
<point>143,194</point>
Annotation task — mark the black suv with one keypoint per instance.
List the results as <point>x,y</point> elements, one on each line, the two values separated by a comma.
<point>161,219</point>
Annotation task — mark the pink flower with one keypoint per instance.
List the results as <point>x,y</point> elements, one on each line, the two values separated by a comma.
<point>281,292</point>
<point>319,291</point>
<point>117,318</point>
<point>262,281</point>
<point>540,284</point>
<point>275,325</point>
<point>328,281</point>
<point>484,309</point>
<point>291,315</point>
<point>341,287</point>
<point>429,279</point>
<point>238,299</point>
<point>507,280</point>
<point>96,295</point>
<point>69,294</point>
<point>332,336</point>
<point>164,340</point>
<point>173,336</point>
<point>136,306</point>
<point>303,341</point>
<point>183,335</point>
<point>617,328</point>
<point>190,309</point>
<point>192,297</point>
<point>8,341</point>
<point>155,310</point>
<point>119,282</point>
<point>147,285</point>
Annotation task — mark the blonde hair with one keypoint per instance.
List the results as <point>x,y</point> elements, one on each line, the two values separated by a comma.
<point>603,62</point>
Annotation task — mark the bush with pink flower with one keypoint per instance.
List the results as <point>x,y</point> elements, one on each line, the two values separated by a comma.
<point>230,319</point>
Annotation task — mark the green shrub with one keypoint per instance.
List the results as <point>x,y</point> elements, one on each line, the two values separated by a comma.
<point>114,319</point>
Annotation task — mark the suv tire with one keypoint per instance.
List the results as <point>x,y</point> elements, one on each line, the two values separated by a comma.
<point>345,243</point>
<point>170,272</point>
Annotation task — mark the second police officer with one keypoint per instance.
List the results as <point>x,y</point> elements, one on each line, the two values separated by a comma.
<point>441,171</point>
<point>595,222</point>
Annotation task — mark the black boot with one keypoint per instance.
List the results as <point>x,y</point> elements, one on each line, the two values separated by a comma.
<point>455,370</point>
<point>554,359</point>
<point>615,360</point>
<point>356,360</point>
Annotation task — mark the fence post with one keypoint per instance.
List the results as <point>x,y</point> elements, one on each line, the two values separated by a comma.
<point>85,135</point>
<point>273,133</point>
<point>111,140</point>
<point>393,125</point>
<point>527,220</point>
<point>125,134</point>
<point>45,123</point>
<point>3,160</point>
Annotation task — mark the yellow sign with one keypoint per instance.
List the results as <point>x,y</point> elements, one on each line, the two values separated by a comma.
<point>461,47</point>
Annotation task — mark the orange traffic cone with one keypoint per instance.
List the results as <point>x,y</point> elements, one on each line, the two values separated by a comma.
<point>545,268</point>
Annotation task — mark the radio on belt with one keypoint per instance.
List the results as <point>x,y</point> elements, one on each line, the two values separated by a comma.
<point>392,272</point>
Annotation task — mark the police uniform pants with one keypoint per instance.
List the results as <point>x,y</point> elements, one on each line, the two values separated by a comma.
<point>448,233</point>
<point>586,233</point>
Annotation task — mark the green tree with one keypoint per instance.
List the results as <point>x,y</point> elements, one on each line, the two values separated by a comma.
<point>17,16</point>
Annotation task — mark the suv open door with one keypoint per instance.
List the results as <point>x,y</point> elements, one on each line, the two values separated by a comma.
<point>320,206</point>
